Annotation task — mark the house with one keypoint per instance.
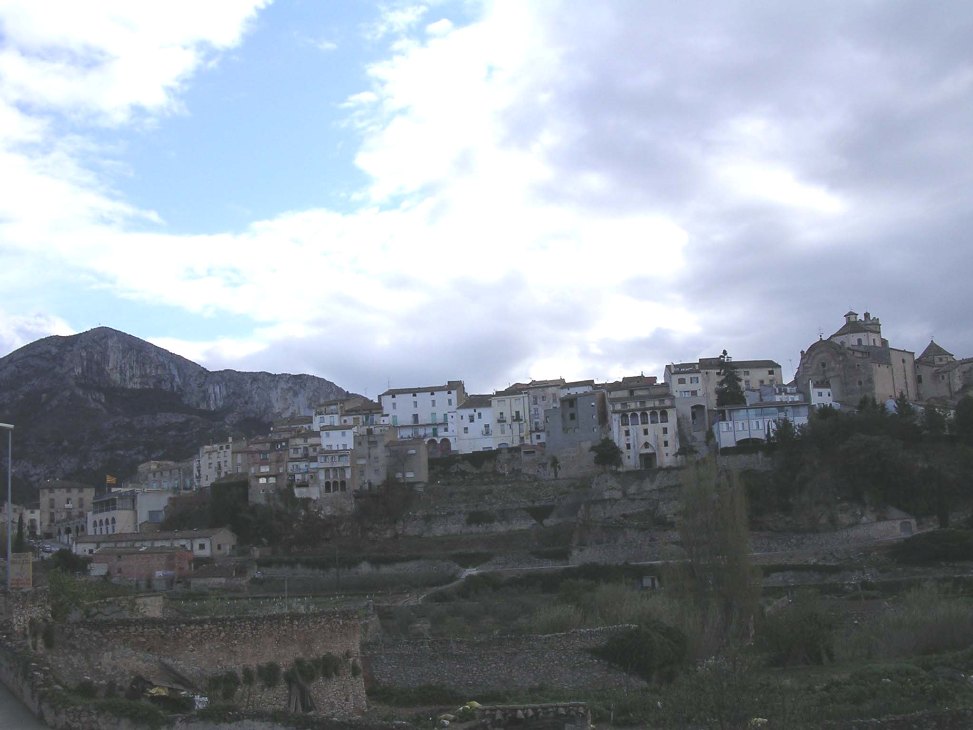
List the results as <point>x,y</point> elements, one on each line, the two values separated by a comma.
<point>157,567</point>
<point>578,421</point>
<point>701,379</point>
<point>215,461</point>
<point>472,423</point>
<point>747,425</point>
<point>63,505</point>
<point>510,409</point>
<point>215,542</point>
<point>423,412</point>
<point>171,475</point>
<point>541,395</point>
<point>643,422</point>
<point>858,362</point>
<point>941,378</point>
<point>127,510</point>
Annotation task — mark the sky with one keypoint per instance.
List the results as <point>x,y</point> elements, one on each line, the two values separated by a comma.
<point>401,194</point>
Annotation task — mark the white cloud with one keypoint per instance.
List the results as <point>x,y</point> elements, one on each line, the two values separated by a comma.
<point>551,190</point>
<point>17,330</point>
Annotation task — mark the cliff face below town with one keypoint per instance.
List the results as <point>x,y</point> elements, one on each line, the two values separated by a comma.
<point>102,402</point>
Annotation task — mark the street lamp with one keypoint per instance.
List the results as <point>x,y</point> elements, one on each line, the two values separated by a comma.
<point>10,459</point>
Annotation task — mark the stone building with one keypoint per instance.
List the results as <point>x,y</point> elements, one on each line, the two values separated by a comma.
<point>941,378</point>
<point>857,362</point>
<point>643,422</point>
<point>157,567</point>
<point>62,506</point>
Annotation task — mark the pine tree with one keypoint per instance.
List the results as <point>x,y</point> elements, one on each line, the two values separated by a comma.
<point>729,389</point>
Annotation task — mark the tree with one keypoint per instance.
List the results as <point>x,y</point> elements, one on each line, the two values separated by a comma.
<point>729,389</point>
<point>963,419</point>
<point>20,545</point>
<point>933,421</point>
<point>715,533</point>
<point>607,454</point>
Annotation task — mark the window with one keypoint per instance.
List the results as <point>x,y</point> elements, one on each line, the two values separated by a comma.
<point>645,432</point>
<point>202,546</point>
<point>694,380</point>
<point>393,406</point>
<point>665,430</point>
<point>449,401</point>
<point>626,432</point>
<point>770,372</point>
<point>415,419</point>
<point>415,404</point>
<point>665,443</point>
<point>433,403</point>
<point>466,429</point>
<point>681,381</point>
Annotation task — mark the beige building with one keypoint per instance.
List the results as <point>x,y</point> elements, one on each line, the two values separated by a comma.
<point>941,378</point>
<point>62,506</point>
<point>643,422</point>
<point>857,362</point>
<point>217,542</point>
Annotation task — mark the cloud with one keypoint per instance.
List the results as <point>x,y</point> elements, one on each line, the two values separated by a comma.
<point>550,189</point>
<point>17,330</point>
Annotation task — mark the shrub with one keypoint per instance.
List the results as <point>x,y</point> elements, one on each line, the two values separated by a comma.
<point>480,517</point>
<point>937,546</point>
<point>86,688</point>
<point>248,676</point>
<point>269,674</point>
<point>926,622</point>
<point>306,670</point>
<point>653,652</point>
<point>330,665</point>
<point>799,634</point>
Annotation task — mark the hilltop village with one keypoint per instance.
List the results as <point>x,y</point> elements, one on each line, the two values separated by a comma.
<point>352,445</point>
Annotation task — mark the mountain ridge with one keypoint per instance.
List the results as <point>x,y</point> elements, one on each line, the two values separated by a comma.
<point>103,401</point>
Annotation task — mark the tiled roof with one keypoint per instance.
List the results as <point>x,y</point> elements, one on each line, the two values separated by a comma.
<point>932,350</point>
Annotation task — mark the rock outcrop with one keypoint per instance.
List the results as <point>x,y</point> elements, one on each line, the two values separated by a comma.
<point>104,401</point>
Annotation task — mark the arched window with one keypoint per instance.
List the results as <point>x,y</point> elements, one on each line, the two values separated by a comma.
<point>664,416</point>
<point>344,487</point>
<point>327,486</point>
<point>624,419</point>
<point>654,417</point>
<point>644,417</point>
<point>113,525</point>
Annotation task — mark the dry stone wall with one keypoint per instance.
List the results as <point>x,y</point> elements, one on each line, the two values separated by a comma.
<point>199,649</point>
<point>561,661</point>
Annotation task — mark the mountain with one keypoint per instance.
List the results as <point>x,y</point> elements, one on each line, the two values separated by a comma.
<point>102,402</point>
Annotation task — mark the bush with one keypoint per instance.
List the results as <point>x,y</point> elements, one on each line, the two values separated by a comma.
<point>86,688</point>
<point>938,546</point>
<point>330,665</point>
<point>480,517</point>
<point>653,652</point>
<point>926,622</point>
<point>799,634</point>
<point>269,674</point>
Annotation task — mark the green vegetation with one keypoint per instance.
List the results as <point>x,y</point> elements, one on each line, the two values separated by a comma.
<point>729,388</point>
<point>940,546</point>
<point>607,454</point>
<point>923,466</point>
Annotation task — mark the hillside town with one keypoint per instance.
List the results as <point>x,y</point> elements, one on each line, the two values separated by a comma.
<point>351,445</point>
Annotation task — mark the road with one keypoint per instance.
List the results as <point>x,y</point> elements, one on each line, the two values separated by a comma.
<point>14,715</point>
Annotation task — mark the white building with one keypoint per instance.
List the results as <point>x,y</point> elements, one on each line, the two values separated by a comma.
<point>423,412</point>
<point>747,425</point>
<point>510,409</point>
<point>473,424</point>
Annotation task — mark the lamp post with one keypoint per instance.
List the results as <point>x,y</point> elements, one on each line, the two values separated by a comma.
<point>10,459</point>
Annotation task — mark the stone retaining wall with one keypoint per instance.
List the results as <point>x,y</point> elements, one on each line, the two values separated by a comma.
<point>502,663</point>
<point>199,649</point>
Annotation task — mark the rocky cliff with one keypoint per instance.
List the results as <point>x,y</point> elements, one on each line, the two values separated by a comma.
<point>104,401</point>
